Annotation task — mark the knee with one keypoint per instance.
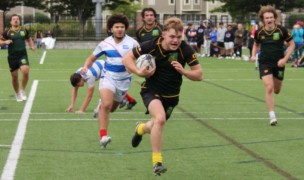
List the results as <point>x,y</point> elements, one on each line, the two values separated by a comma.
<point>160,120</point>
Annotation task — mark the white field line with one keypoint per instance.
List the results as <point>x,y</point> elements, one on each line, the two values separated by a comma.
<point>142,112</point>
<point>12,160</point>
<point>5,145</point>
<point>138,119</point>
<point>43,57</point>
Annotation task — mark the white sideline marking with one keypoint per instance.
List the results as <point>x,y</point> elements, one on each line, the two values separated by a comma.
<point>43,57</point>
<point>12,160</point>
<point>5,145</point>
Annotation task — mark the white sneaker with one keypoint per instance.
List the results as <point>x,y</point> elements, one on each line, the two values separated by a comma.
<point>18,97</point>
<point>23,95</point>
<point>105,140</point>
<point>95,113</point>
<point>273,122</point>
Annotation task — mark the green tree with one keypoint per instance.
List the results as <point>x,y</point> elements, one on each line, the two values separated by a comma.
<point>5,5</point>
<point>240,9</point>
<point>126,7</point>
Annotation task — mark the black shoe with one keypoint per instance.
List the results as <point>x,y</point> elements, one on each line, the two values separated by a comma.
<point>136,139</point>
<point>159,169</point>
<point>131,105</point>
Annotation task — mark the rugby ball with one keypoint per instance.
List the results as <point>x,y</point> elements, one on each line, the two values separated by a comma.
<point>145,59</point>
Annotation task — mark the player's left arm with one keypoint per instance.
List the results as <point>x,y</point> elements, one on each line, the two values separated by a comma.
<point>291,46</point>
<point>30,41</point>
<point>195,73</point>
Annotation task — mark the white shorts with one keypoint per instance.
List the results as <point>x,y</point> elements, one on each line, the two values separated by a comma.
<point>119,87</point>
<point>229,45</point>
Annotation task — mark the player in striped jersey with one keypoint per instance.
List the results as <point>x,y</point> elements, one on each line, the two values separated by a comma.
<point>94,73</point>
<point>117,80</point>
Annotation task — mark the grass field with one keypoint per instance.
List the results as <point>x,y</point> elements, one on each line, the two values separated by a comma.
<point>218,131</point>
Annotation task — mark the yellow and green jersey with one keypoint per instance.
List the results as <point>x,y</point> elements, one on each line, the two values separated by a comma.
<point>272,43</point>
<point>18,37</point>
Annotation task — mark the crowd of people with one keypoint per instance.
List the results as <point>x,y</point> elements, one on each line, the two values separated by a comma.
<point>222,41</point>
<point>161,87</point>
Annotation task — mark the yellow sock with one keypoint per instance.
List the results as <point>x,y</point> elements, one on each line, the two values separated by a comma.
<point>157,158</point>
<point>140,130</point>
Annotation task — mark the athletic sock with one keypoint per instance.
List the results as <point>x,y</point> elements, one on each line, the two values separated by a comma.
<point>129,98</point>
<point>102,132</point>
<point>272,115</point>
<point>140,130</point>
<point>157,158</point>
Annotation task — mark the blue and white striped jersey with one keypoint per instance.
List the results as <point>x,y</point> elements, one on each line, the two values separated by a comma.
<point>114,53</point>
<point>95,72</point>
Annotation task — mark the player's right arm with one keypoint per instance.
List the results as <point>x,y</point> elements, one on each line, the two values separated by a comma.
<point>73,100</point>
<point>86,100</point>
<point>88,63</point>
<point>129,62</point>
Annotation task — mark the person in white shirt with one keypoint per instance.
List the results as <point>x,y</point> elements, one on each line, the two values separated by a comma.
<point>117,80</point>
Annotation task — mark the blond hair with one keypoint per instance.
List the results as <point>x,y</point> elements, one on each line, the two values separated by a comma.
<point>269,9</point>
<point>173,23</point>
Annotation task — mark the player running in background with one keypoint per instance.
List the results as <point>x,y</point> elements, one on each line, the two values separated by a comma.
<point>15,38</point>
<point>161,89</point>
<point>116,80</point>
<point>151,28</point>
<point>270,40</point>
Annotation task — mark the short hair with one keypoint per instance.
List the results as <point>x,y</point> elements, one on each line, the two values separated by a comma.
<point>14,16</point>
<point>173,23</point>
<point>147,9</point>
<point>117,18</point>
<point>269,9</point>
<point>221,23</point>
<point>75,79</point>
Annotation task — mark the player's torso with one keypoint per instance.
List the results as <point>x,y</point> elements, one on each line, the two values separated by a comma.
<point>272,44</point>
<point>18,38</point>
<point>148,34</point>
<point>114,53</point>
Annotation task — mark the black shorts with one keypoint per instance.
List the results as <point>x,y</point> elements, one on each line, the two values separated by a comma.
<point>15,62</point>
<point>168,103</point>
<point>277,72</point>
<point>221,44</point>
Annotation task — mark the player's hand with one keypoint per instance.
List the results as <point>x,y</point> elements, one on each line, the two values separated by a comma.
<point>70,108</point>
<point>178,67</point>
<point>281,63</point>
<point>79,112</point>
<point>146,71</point>
<point>252,59</point>
<point>83,70</point>
<point>8,41</point>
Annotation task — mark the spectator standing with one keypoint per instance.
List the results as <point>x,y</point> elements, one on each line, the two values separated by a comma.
<point>207,40</point>
<point>200,36</point>
<point>192,33</point>
<point>229,42</point>
<point>38,38</point>
<point>297,34</point>
<point>220,38</point>
<point>238,41</point>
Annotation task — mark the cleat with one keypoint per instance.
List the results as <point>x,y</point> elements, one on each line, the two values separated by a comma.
<point>131,105</point>
<point>95,113</point>
<point>273,122</point>
<point>159,169</point>
<point>123,103</point>
<point>136,139</point>
<point>23,95</point>
<point>18,97</point>
<point>105,140</point>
